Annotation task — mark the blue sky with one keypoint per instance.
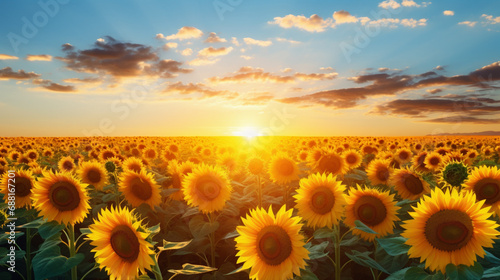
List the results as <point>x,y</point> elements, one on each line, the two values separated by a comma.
<point>334,67</point>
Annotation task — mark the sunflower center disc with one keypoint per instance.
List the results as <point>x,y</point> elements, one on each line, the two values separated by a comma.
<point>383,174</point>
<point>449,230</point>
<point>370,210</point>
<point>455,174</point>
<point>434,161</point>
<point>330,164</point>
<point>23,186</point>
<point>64,196</point>
<point>285,167</point>
<point>32,155</point>
<point>94,176</point>
<point>322,200</point>
<point>208,189</point>
<point>151,154</point>
<point>403,155</point>
<point>413,184</point>
<point>274,244</point>
<point>351,159</point>
<point>125,243</point>
<point>67,165</point>
<point>176,181</point>
<point>135,167</point>
<point>489,189</point>
<point>141,189</point>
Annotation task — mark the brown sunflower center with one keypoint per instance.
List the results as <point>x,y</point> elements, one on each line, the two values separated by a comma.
<point>449,230</point>
<point>207,188</point>
<point>151,154</point>
<point>330,164</point>
<point>434,161</point>
<point>176,181</point>
<point>489,189</point>
<point>141,189</point>
<point>403,155</point>
<point>322,200</point>
<point>107,154</point>
<point>64,196</point>
<point>125,243</point>
<point>351,159</point>
<point>67,165</point>
<point>275,245</point>
<point>413,184</point>
<point>94,176</point>
<point>32,155</point>
<point>370,210</point>
<point>23,186</point>
<point>284,167</point>
<point>383,174</point>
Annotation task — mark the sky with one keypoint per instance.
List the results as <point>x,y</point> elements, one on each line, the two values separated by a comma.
<point>240,67</point>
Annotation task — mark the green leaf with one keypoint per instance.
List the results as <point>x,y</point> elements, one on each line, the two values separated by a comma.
<point>199,228</point>
<point>238,270</point>
<point>154,230</point>
<point>190,212</point>
<point>394,246</point>
<point>364,259</point>
<point>191,269</point>
<point>306,274</point>
<point>464,272</point>
<point>418,273</point>
<point>167,245</point>
<point>85,231</point>
<point>492,272</point>
<point>353,240</point>
<point>110,197</point>
<point>49,262</point>
<point>232,234</point>
<point>317,251</point>
<point>33,224</point>
<point>400,274</point>
<point>144,277</point>
<point>4,237</point>
<point>49,229</point>
<point>359,225</point>
<point>323,233</point>
<point>492,259</point>
<point>167,192</point>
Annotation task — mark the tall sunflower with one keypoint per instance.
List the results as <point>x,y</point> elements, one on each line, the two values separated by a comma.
<point>133,164</point>
<point>320,200</point>
<point>484,181</point>
<point>93,173</point>
<point>403,155</point>
<point>379,171</point>
<point>352,158</point>
<point>374,208</point>
<point>23,187</point>
<point>60,197</point>
<point>271,245</point>
<point>207,187</point>
<point>433,161</point>
<point>139,188</point>
<point>120,244</point>
<point>409,184</point>
<point>449,228</point>
<point>283,169</point>
<point>66,164</point>
<point>331,163</point>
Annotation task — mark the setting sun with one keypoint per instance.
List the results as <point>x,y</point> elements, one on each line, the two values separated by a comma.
<point>247,131</point>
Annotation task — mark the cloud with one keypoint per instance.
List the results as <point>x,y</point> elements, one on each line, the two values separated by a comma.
<point>287,40</point>
<point>489,19</point>
<point>256,100</point>
<point>190,88</point>
<point>342,16</point>
<point>39,57</point>
<point>434,91</point>
<point>51,86</point>
<point>6,56</point>
<point>211,52</point>
<point>185,32</point>
<point>414,23</point>
<point>249,74</point>
<point>468,23</point>
<point>235,41</point>
<point>200,61</point>
<point>213,38</point>
<point>395,22</point>
<point>7,74</point>
<point>250,41</point>
<point>314,23</point>
<point>439,67</point>
<point>392,84</point>
<point>82,80</point>
<point>463,119</point>
<point>389,4</point>
<point>392,4</point>
<point>409,3</point>
<point>246,57</point>
<point>449,13</point>
<point>171,45</point>
<point>120,60</point>
<point>187,52</point>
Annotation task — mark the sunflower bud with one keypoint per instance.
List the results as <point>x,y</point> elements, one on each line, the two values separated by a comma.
<point>110,166</point>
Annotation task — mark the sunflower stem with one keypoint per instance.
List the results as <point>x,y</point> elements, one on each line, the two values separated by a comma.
<point>285,196</point>
<point>259,190</point>
<point>336,243</point>
<point>72,250</point>
<point>28,253</point>
<point>211,237</point>
<point>96,266</point>
<point>157,270</point>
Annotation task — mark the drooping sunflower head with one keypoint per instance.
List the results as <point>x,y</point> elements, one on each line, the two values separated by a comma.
<point>331,163</point>
<point>255,165</point>
<point>133,164</point>
<point>66,164</point>
<point>418,162</point>
<point>207,187</point>
<point>449,227</point>
<point>271,245</point>
<point>379,171</point>
<point>453,174</point>
<point>283,169</point>
<point>93,173</point>
<point>120,244</point>
<point>409,184</point>
<point>61,197</point>
<point>374,208</point>
<point>23,184</point>
<point>139,188</point>
<point>433,161</point>
<point>320,200</point>
<point>484,181</point>
<point>352,158</point>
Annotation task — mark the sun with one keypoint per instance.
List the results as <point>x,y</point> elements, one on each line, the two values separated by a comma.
<point>247,131</point>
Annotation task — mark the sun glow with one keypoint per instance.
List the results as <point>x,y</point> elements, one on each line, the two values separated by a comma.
<point>248,131</point>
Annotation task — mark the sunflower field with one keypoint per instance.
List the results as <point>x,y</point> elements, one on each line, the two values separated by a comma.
<point>266,208</point>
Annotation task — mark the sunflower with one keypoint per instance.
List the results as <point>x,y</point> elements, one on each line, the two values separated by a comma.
<point>331,163</point>
<point>61,197</point>
<point>120,244</point>
<point>320,200</point>
<point>93,173</point>
<point>255,166</point>
<point>32,155</point>
<point>352,158</point>
<point>106,154</point>
<point>302,156</point>
<point>418,162</point>
<point>433,161</point>
<point>449,228</point>
<point>14,155</point>
<point>176,180</point>
<point>409,184</point>
<point>23,186</point>
<point>66,164</point>
<point>207,187</point>
<point>149,153</point>
<point>403,155</point>
<point>453,174</point>
<point>228,161</point>
<point>271,245</point>
<point>282,169</point>
<point>133,164</point>
<point>139,188</point>
<point>379,171</point>
<point>375,209</point>
<point>485,183</point>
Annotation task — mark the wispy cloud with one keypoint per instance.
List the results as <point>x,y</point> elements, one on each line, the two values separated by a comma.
<point>7,57</point>
<point>213,38</point>
<point>39,57</point>
<point>184,33</point>
<point>261,43</point>
<point>314,23</point>
<point>7,73</point>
